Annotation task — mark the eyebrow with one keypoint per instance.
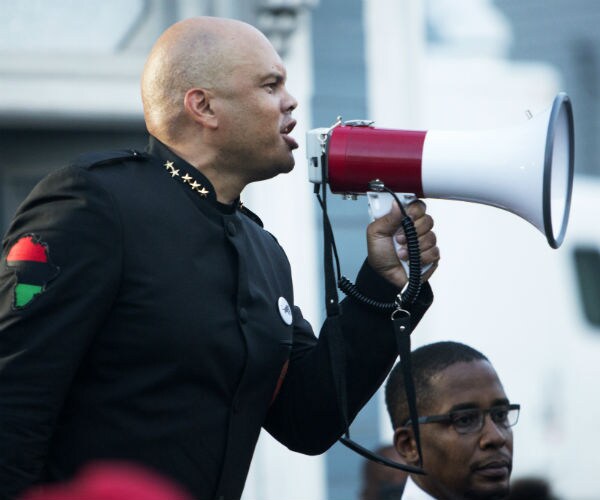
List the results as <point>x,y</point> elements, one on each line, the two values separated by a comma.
<point>274,75</point>
<point>471,406</point>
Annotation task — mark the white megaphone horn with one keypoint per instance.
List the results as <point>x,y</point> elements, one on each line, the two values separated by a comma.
<point>526,169</point>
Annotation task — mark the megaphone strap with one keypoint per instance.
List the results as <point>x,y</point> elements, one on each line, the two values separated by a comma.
<point>401,325</point>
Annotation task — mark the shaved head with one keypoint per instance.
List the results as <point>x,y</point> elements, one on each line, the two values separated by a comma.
<point>196,52</point>
<point>214,92</point>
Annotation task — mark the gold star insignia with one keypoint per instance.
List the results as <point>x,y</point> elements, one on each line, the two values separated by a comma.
<point>186,179</point>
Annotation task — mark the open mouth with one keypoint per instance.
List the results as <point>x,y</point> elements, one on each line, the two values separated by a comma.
<point>285,131</point>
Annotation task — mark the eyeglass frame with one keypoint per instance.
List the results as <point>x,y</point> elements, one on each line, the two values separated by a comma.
<point>448,417</point>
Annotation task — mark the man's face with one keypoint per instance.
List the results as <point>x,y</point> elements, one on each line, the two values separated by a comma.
<point>254,110</point>
<point>473,466</point>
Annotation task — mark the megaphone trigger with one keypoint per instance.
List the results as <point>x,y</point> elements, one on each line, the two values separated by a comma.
<point>380,204</point>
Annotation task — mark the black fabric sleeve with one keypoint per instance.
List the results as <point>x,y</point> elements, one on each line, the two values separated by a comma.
<point>306,416</point>
<point>43,341</point>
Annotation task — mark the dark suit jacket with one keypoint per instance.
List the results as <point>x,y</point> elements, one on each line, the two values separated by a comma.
<point>156,331</point>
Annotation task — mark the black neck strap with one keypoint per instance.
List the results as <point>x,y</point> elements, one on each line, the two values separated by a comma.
<point>400,321</point>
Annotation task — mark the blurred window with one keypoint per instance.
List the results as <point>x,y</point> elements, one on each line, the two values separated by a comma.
<point>44,27</point>
<point>587,266</point>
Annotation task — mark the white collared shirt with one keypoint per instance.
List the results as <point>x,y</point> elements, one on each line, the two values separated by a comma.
<point>414,492</point>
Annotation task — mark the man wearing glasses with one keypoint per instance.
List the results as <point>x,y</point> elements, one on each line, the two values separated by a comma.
<point>465,424</point>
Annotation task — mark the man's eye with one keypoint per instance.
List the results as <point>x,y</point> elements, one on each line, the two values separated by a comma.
<point>465,419</point>
<point>499,415</point>
<point>271,87</point>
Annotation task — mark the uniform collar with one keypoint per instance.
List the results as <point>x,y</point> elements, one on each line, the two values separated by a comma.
<point>179,170</point>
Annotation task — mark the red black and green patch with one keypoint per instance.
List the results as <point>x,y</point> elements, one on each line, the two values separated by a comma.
<point>30,259</point>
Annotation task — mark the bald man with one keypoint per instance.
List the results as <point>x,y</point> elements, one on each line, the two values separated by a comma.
<point>146,316</point>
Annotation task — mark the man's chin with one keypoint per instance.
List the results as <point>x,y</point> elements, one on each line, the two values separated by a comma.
<point>489,492</point>
<point>286,169</point>
<point>282,167</point>
<point>287,166</point>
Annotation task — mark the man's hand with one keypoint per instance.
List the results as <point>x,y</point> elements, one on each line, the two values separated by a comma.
<point>383,257</point>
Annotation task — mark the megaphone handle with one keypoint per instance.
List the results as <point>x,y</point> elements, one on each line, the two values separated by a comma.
<point>380,204</point>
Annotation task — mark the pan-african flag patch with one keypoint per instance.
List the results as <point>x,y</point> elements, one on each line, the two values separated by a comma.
<point>30,259</point>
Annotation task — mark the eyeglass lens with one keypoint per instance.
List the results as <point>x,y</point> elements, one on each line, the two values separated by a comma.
<point>466,421</point>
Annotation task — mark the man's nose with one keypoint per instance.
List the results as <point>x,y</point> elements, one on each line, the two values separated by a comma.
<point>493,434</point>
<point>289,102</point>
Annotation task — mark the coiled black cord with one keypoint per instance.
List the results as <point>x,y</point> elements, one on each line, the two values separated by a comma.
<point>351,290</point>
<point>413,286</point>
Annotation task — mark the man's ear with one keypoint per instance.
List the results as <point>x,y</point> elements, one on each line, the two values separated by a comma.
<point>405,445</point>
<point>197,104</point>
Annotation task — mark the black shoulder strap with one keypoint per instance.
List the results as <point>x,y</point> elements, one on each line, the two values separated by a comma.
<point>100,158</point>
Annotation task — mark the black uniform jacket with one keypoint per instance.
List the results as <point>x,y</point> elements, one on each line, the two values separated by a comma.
<point>140,319</point>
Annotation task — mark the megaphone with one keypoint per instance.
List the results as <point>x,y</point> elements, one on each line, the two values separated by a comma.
<point>526,169</point>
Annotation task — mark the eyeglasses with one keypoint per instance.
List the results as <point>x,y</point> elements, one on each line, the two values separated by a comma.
<point>471,420</point>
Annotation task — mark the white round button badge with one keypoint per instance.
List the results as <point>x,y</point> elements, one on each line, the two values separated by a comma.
<point>285,311</point>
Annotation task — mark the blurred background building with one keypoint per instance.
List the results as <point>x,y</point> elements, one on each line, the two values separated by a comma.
<point>69,83</point>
